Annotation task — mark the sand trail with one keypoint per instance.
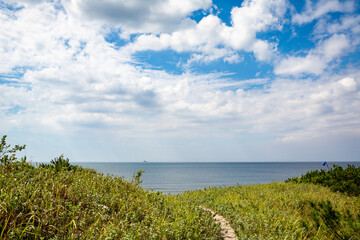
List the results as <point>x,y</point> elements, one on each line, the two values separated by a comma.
<point>227,232</point>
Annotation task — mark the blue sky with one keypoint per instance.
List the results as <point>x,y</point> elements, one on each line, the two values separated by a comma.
<point>191,80</point>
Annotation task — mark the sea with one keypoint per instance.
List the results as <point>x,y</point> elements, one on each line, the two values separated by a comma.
<point>175,178</point>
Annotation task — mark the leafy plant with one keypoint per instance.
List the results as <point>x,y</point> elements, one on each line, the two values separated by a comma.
<point>136,178</point>
<point>337,179</point>
<point>59,164</point>
<point>8,154</point>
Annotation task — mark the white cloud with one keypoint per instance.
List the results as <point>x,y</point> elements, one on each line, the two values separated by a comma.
<point>227,55</point>
<point>42,36</point>
<point>317,60</point>
<point>335,106</point>
<point>263,50</point>
<point>348,83</point>
<point>24,2</point>
<point>205,34</point>
<point>333,47</point>
<point>259,15</point>
<point>297,65</point>
<point>349,24</point>
<point>314,11</point>
<point>137,16</point>
<point>211,34</point>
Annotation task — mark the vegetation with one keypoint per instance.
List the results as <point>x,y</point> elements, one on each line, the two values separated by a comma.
<point>61,201</point>
<point>7,154</point>
<point>60,164</point>
<point>283,210</point>
<point>337,179</point>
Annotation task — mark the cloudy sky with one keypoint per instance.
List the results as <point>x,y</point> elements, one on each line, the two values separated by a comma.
<point>190,80</point>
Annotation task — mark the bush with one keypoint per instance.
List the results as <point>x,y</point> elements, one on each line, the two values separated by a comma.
<point>7,154</point>
<point>337,179</point>
<point>60,164</point>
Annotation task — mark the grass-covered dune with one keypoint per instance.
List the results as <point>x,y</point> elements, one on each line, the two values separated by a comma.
<point>283,211</point>
<point>63,201</point>
<point>52,203</point>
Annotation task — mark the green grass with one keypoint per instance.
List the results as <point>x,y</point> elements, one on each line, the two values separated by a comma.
<point>44,203</point>
<point>283,210</point>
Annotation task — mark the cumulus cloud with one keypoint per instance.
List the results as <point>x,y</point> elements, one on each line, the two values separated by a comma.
<point>320,8</point>
<point>317,60</point>
<point>137,16</point>
<point>42,36</point>
<point>213,39</point>
<point>333,37</point>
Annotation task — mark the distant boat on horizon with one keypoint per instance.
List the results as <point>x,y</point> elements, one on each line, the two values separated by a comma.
<point>145,161</point>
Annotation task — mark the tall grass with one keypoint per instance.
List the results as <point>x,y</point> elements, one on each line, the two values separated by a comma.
<point>48,203</point>
<point>63,201</point>
<point>283,211</point>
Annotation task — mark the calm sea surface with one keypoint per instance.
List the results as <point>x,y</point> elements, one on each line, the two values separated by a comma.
<point>175,178</point>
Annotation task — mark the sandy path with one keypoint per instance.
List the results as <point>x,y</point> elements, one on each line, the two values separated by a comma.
<point>227,232</point>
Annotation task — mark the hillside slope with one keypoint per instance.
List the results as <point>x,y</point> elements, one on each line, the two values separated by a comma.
<point>76,203</point>
<point>283,210</point>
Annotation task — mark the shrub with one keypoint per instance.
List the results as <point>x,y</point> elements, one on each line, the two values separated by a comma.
<point>60,164</point>
<point>7,154</point>
<point>337,179</point>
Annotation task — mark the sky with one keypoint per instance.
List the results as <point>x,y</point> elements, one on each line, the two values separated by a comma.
<point>181,81</point>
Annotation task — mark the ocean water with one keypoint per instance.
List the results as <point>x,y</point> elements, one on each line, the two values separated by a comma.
<point>174,178</point>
